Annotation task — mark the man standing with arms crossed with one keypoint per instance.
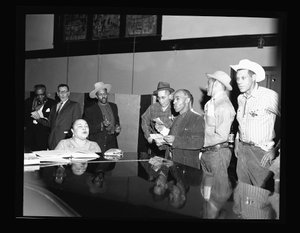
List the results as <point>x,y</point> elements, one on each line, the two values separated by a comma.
<point>256,115</point>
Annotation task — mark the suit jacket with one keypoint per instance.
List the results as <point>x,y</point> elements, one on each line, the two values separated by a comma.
<point>98,133</point>
<point>61,124</point>
<point>189,140</point>
<point>29,121</point>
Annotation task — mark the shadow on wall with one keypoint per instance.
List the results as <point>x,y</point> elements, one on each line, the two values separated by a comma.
<point>203,98</point>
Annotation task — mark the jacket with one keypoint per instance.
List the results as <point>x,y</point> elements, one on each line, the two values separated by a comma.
<point>98,133</point>
<point>189,140</point>
<point>60,124</point>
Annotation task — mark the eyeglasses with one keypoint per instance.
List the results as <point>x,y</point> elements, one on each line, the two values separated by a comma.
<point>62,92</point>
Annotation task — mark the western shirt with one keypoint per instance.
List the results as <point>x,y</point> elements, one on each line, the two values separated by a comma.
<point>256,115</point>
<point>218,123</point>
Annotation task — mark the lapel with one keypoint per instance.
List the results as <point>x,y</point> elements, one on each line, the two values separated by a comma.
<point>46,106</point>
<point>184,123</point>
<point>98,113</point>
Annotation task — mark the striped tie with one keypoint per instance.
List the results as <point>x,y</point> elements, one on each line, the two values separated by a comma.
<point>59,107</point>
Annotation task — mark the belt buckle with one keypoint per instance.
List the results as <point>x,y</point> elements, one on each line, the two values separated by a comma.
<point>216,147</point>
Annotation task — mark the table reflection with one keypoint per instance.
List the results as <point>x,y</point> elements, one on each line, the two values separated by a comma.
<point>167,190</point>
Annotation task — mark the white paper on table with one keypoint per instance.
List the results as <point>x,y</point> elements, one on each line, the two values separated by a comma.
<point>30,158</point>
<point>113,154</point>
<point>65,155</point>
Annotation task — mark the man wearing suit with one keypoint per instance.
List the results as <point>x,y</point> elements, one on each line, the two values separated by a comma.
<point>186,136</point>
<point>104,124</point>
<point>36,134</point>
<point>61,116</point>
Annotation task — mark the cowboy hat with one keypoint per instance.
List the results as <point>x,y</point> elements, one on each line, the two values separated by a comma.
<point>163,86</point>
<point>99,86</point>
<point>246,64</point>
<point>222,77</point>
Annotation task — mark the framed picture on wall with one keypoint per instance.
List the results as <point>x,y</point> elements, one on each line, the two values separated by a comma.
<point>106,26</point>
<point>75,27</point>
<point>141,25</point>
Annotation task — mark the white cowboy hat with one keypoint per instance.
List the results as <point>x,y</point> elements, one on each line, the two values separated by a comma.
<point>246,64</point>
<point>99,86</point>
<point>222,77</point>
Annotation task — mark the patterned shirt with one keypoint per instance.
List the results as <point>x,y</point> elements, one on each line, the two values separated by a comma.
<point>217,125</point>
<point>155,110</point>
<point>257,114</point>
<point>70,144</point>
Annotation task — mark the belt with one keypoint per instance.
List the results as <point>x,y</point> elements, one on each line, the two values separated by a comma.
<point>216,147</point>
<point>248,143</point>
<point>267,145</point>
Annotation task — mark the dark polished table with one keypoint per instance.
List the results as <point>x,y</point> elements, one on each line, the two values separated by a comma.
<point>121,197</point>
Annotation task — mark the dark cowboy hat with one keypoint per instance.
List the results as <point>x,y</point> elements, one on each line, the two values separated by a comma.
<point>163,86</point>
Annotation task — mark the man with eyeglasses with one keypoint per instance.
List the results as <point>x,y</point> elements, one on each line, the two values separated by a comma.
<point>62,116</point>
<point>158,118</point>
<point>36,134</point>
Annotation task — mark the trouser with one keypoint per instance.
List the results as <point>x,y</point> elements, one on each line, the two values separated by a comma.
<point>255,183</point>
<point>249,170</point>
<point>215,178</point>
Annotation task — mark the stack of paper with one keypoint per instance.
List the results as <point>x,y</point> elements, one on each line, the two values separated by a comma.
<point>30,159</point>
<point>113,154</point>
<point>65,156</point>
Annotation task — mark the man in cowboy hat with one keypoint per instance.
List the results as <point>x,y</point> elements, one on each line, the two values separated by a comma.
<point>104,125</point>
<point>216,154</point>
<point>161,109</point>
<point>256,115</point>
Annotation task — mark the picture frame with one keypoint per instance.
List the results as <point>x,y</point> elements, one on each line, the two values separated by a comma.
<point>75,27</point>
<point>141,25</point>
<point>106,26</point>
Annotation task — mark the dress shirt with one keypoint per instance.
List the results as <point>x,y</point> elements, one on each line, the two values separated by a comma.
<point>60,105</point>
<point>155,110</point>
<point>256,115</point>
<point>218,123</point>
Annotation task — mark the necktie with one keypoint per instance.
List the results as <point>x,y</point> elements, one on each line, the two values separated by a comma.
<point>59,107</point>
<point>244,111</point>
